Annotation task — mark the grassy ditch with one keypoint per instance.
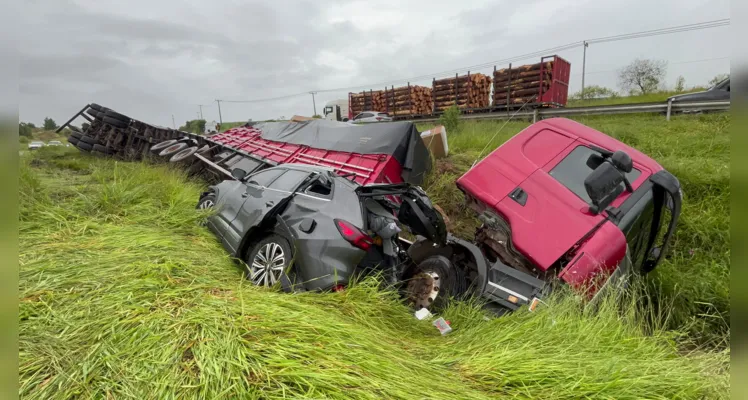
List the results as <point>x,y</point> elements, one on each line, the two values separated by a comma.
<point>123,295</point>
<point>696,149</point>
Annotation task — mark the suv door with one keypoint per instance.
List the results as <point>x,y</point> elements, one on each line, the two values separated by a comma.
<point>232,200</point>
<point>262,199</point>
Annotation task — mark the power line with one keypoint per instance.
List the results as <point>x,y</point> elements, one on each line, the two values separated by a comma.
<point>625,36</point>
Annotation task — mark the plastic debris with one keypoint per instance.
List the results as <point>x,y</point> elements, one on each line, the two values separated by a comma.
<point>442,325</point>
<point>423,314</point>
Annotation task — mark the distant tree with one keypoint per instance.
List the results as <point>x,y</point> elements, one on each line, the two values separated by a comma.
<point>317,116</point>
<point>642,76</point>
<point>717,79</point>
<point>594,92</point>
<point>194,126</point>
<point>680,84</point>
<point>49,124</point>
<point>25,129</point>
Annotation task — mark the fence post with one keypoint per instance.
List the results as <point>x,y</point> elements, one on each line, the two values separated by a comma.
<point>669,106</point>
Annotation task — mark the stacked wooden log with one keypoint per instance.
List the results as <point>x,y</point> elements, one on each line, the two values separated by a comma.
<point>372,100</point>
<point>407,100</point>
<point>523,84</point>
<point>467,91</point>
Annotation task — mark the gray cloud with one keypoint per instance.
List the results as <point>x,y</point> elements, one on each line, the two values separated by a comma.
<point>153,60</point>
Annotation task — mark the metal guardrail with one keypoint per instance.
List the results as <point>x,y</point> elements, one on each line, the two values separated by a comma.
<point>667,108</point>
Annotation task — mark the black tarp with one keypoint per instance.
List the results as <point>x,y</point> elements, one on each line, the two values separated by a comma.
<point>399,139</point>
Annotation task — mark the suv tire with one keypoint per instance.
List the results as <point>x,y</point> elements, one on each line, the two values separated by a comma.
<point>267,260</point>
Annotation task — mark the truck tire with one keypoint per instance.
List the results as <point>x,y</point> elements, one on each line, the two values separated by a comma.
<point>156,148</point>
<point>76,134</point>
<point>116,115</point>
<point>84,146</point>
<point>96,107</point>
<point>93,113</point>
<point>101,149</point>
<point>113,122</point>
<point>264,270</point>
<point>88,139</point>
<point>173,149</point>
<point>433,282</point>
<point>85,126</point>
<point>184,154</point>
<point>72,140</point>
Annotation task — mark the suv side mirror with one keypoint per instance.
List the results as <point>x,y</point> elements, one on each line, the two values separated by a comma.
<point>238,173</point>
<point>603,185</point>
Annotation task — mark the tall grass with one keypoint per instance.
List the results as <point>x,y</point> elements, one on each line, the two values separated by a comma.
<point>696,149</point>
<point>124,295</point>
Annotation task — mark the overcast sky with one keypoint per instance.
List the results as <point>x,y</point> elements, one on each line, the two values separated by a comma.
<point>154,59</point>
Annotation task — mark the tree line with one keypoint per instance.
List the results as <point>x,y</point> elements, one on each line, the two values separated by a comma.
<point>642,76</point>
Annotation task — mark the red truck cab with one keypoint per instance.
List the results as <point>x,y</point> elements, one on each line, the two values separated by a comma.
<point>562,200</point>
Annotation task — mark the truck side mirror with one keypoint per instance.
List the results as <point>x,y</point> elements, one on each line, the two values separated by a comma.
<point>622,161</point>
<point>603,185</point>
<point>238,173</point>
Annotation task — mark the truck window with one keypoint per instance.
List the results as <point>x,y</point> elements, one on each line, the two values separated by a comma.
<point>328,110</point>
<point>572,171</point>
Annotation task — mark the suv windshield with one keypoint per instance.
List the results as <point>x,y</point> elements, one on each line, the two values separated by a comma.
<point>573,169</point>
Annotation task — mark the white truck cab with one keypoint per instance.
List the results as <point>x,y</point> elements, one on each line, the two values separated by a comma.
<point>336,110</point>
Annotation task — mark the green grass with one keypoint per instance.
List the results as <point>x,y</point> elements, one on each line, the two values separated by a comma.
<point>696,149</point>
<point>656,97</point>
<point>124,295</point>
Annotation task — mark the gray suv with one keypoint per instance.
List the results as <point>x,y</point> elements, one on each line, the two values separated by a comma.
<point>329,226</point>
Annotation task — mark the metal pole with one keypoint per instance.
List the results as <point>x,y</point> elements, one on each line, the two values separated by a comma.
<point>314,104</point>
<point>201,111</point>
<point>172,121</point>
<point>584,64</point>
<point>669,109</point>
<point>220,118</point>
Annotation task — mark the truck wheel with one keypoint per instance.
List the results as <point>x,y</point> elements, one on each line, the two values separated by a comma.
<point>173,149</point>
<point>115,115</point>
<point>84,146</point>
<point>96,107</point>
<point>102,149</point>
<point>156,148</point>
<point>434,282</point>
<point>76,134</point>
<point>85,126</point>
<point>114,122</point>
<point>267,260</point>
<point>183,155</point>
<point>72,140</point>
<point>88,139</point>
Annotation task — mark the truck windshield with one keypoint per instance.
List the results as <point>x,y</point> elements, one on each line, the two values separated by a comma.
<point>573,169</point>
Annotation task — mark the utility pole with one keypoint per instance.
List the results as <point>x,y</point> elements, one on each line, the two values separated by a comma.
<point>584,64</point>
<point>201,111</point>
<point>220,118</point>
<point>173,123</point>
<point>313,102</point>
